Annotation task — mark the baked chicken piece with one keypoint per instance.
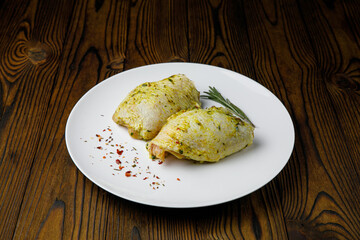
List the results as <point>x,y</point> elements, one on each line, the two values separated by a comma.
<point>145,109</point>
<point>202,135</point>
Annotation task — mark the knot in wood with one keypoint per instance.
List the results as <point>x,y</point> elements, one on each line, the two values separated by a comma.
<point>345,82</point>
<point>117,64</point>
<point>37,55</point>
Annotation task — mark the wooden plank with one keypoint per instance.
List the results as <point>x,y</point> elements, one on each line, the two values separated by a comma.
<point>218,35</point>
<point>287,55</point>
<point>157,33</point>
<point>336,132</point>
<point>60,201</point>
<point>28,67</point>
<point>11,64</point>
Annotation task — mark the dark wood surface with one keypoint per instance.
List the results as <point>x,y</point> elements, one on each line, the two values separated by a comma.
<point>306,52</point>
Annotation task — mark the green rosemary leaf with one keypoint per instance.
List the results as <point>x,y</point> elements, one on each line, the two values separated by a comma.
<point>215,95</point>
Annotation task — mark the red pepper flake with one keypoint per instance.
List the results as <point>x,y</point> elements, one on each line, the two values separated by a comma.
<point>98,135</point>
<point>118,161</point>
<point>157,177</point>
<point>99,148</point>
<point>178,179</point>
<point>128,174</point>
<point>134,175</point>
<point>161,162</point>
<point>121,167</point>
<point>119,151</point>
<point>177,142</point>
<point>145,178</point>
<point>104,157</point>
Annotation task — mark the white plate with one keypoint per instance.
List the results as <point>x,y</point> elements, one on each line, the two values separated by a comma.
<point>178,183</point>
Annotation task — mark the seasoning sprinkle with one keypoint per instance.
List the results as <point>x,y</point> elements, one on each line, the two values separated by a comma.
<point>132,161</point>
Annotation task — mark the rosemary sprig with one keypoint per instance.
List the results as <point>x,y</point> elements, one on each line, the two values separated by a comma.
<point>215,95</point>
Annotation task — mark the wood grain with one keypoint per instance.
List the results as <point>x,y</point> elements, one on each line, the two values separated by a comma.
<point>57,193</point>
<point>305,52</point>
<point>318,168</point>
<point>218,35</point>
<point>157,33</point>
<point>29,66</point>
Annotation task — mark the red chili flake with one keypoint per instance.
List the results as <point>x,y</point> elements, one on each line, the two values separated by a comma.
<point>177,142</point>
<point>118,161</point>
<point>99,148</point>
<point>157,177</point>
<point>109,129</point>
<point>161,162</point>
<point>145,178</point>
<point>153,183</point>
<point>177,128</point>
<point>178,179</point>
<point>98,135</point>
<point>104,157</point>
<point>119,151</point>
<point>121,167</point>
<point>128,174</point>
<point>134,175</point>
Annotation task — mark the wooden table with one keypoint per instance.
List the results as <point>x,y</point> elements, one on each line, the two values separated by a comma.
<point>305,52</point>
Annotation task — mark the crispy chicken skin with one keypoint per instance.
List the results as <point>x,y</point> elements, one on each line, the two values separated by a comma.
<point>145,109</point>
<point>201,135</point>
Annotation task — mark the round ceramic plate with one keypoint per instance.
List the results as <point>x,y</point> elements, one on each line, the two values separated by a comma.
<point>106,154</point>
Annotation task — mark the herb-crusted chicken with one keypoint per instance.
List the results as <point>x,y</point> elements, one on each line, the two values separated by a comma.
<point>145,109</point>
<point>202,135</point>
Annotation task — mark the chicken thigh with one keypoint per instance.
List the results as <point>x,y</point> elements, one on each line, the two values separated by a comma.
<point>202,135</point>
<point>145,109</point>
